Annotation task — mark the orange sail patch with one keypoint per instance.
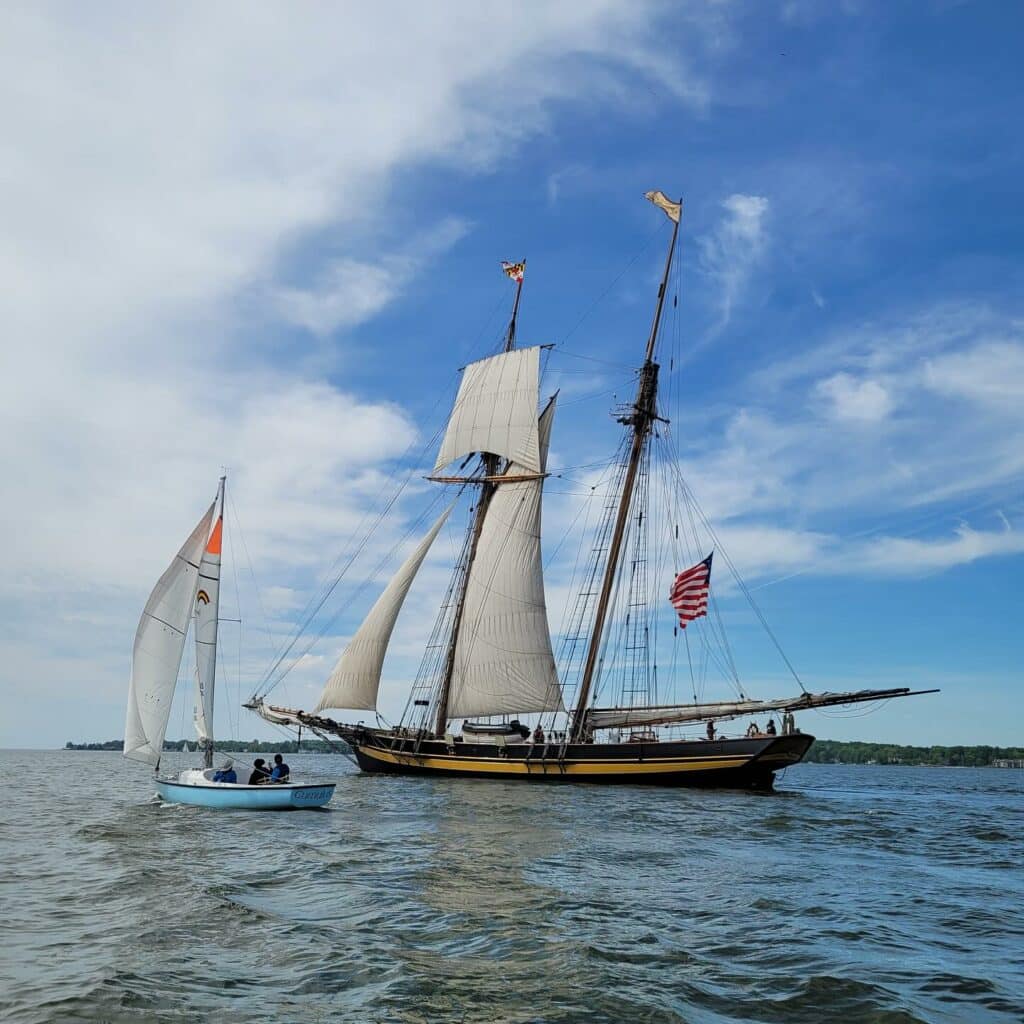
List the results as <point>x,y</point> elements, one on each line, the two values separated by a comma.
<point>213,547</point>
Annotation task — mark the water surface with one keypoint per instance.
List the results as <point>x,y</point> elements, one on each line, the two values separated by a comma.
<point>854,894</point>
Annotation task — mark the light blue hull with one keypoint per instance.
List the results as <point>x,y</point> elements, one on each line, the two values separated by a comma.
<point>288,797</point>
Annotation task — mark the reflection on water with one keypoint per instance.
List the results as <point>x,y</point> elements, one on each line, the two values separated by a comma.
<point>856,894</point>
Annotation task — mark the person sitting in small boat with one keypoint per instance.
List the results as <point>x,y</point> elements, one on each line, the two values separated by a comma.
<point>770,727</point>
<point>711,730</point>
<point>538,734</point>
<point>753,730</point>
<point>259,775</point>
<point>281,770</point>
<point>226,773</point>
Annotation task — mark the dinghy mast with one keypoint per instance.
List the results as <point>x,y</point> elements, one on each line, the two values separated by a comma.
<point>207,612</point>
<point>643,414</point>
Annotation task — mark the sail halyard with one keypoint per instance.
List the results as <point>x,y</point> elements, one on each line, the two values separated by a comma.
<point>207,612</point>
<point>159,646</point>
<point>644,413</point>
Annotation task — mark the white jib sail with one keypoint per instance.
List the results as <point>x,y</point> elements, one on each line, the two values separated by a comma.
<point>159,644</point>
<point>206,614</point>
<point>496,411</point>
<point>503,660</point>
<point>356,678</point>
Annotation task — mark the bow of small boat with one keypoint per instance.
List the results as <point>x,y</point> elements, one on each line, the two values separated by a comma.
<point>236,796</point>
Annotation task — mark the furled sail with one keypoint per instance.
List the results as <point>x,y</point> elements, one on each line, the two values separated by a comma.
<point>496,411</point>
<point>503,661</point>
<point>354,682</point>
<point>611,718</point>
<point>207,606</point>
<point>159,644</point>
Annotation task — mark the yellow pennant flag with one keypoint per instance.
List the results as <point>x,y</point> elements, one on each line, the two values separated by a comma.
<point>672,210</point>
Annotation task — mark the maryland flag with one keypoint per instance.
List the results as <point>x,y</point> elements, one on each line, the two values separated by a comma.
<point>662,201</point>
<point>514,270</point>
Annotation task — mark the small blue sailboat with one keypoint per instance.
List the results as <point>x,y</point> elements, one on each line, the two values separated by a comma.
<point>190,589</point>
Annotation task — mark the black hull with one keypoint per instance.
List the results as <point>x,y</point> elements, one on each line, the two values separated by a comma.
<point>748,764</point>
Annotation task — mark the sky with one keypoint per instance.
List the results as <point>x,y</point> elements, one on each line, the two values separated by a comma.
<point>267,237</point>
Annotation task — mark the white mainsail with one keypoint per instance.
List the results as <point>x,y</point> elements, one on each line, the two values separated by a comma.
<point>496,411</point>
<point>207,606</point>
<point>159,644</point>
<point>356,678</point>
<point>503,661</point>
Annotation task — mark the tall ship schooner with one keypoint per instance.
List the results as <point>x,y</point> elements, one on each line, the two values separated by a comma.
<point>490,662</point>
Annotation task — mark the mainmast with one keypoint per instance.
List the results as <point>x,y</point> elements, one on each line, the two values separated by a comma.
<point>489,464</point>
<point>643,414</point>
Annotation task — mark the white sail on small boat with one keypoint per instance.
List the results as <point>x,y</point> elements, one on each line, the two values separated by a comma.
<point>190,589</point>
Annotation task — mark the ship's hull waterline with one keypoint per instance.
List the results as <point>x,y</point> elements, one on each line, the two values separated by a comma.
<point>726,763</point>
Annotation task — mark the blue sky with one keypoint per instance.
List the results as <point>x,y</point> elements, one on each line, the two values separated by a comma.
<point>234,237</point>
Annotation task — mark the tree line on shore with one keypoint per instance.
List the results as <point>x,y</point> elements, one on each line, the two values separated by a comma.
<point>835,752</point>
<point>225,746</point>
<point>822,752</point>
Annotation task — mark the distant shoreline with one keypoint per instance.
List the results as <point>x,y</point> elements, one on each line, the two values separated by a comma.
<point>823,752</point>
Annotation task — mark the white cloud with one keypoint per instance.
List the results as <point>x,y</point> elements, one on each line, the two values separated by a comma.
<point>863,401</point>
<point>164,168</point>
<point>991,372</point>
<point>731,252</point>
<point>350,291</point>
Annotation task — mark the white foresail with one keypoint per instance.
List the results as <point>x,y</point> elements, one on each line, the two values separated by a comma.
<point>207,605</point>
<point>496,411</point>
<point>354,682</point>
<point>159,643</point>
<point>503,661</point>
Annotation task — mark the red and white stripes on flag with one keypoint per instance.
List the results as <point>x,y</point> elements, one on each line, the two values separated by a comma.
<point>689,593</point>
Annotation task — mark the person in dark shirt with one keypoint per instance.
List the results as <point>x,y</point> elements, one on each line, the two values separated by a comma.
<point>538,734</point>
<point>281,770</point>
<point>711,730</point>
<point>770,727</point>
<point>259,775</point>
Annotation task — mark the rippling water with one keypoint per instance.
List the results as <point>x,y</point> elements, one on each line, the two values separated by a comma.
<point>854,894</point>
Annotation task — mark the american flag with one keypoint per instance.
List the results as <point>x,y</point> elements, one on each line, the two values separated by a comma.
<point>514,270</point>
<point>689,593</point>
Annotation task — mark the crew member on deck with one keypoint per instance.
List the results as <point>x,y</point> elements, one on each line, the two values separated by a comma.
<point>538,734</point>
<point>753,730</point>
<point>711,730</point>
<point>226,773</point>
<point>770,727</point>
<point>281,770</point>
<point>259,775</point>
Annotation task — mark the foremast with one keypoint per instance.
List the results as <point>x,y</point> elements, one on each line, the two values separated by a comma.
<point>643,414</point>
<point>489,465</point>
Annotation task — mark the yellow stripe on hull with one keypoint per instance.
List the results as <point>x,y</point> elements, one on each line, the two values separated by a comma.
<point>509,767</point>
